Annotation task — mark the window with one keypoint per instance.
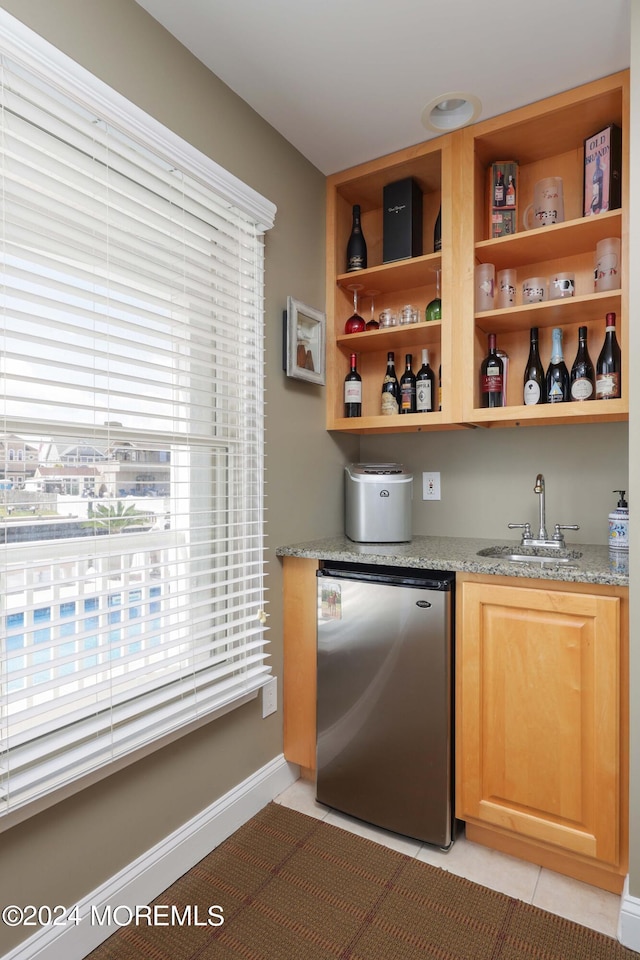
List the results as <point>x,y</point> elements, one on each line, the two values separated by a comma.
<point>131,559</point>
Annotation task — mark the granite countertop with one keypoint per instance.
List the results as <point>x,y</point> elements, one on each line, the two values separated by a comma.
<point>590,563</point>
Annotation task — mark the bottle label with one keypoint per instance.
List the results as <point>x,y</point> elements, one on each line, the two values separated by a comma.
<point>389,402</point>
<point>531,393</point>
<point>353,391</point>
<point>581,389</point>
<point>423,396</point>
<point>555,394</point>
<point>355,263</point>
<point>607,386</point>
<point>492,381</point>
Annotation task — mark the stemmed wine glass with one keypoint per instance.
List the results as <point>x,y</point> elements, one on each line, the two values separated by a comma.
<point>373,323</point>
<point>355,323</point>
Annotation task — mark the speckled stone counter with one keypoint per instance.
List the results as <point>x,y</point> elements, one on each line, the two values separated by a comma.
<point>593,565</point>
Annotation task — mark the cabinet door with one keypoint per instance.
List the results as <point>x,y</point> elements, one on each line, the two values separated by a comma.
<point>299,663</point>
<point>538,716</point>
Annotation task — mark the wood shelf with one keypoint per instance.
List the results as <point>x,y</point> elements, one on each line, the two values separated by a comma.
<point>395,276</point>
<point>400,338</point>
<point>550,243</point>
<point>550,313</point>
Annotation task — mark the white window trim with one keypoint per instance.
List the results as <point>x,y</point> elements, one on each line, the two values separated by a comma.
<point>61,72</point>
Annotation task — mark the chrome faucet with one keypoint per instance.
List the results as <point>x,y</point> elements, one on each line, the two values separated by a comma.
<point>539,489</point>
<point>543,540</point>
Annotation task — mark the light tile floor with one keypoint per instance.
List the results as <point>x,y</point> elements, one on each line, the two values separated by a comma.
<point>545,889</point>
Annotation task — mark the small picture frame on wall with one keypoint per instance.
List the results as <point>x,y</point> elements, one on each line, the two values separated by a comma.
<point>304,342</point>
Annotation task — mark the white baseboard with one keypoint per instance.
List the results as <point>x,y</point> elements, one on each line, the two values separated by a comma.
<point>144,879</point>
<point>629,920</point>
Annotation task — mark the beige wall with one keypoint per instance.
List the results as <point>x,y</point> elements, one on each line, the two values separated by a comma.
<point>61,855</point>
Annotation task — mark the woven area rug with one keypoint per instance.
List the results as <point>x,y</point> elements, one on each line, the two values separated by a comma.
<point>295,888</point>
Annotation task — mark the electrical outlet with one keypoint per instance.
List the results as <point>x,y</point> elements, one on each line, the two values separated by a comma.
<point>270,697</point>
<point>431,486</point>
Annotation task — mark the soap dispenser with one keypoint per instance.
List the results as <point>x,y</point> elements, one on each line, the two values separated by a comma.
<point>619,524</point>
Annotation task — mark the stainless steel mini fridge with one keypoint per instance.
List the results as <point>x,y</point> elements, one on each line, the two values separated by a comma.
<point>384,706</point>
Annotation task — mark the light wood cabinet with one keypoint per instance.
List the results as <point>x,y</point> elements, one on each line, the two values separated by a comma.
<point>299,661</point>
<point>545,139</point>
<point>541,723</point>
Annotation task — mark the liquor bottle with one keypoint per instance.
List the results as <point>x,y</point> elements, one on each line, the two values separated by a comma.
<point>425,386</point>
<point>597,187</point>
<point>434,308</point>
<point>498,190</point>
<point>558,388</point>
<point>440,387</point>
<point>491,377</point>
<point>437,233</point>
<point>390,389</point>
<point>356,246</point>
<point>355,323</point>
<point>408,387</point>
<point>534,378</point>
<point>510,200</point>
<point>353,390</point>
<point>609,367</point>
<point>583,380</point>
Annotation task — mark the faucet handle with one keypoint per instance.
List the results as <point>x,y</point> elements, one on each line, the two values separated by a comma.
<point>563,526</point>
<point>525,526</point>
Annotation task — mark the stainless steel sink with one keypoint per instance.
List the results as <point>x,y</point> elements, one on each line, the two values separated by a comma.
<point>533,555</point>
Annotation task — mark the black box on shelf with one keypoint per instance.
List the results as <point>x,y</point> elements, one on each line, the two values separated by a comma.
<point>602,171</point>
<point>401,220</point>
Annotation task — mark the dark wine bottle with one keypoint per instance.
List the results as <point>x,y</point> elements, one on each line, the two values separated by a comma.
<point>558,387</point>
<point>440,387</point>
<point>609,367</point>
<point>390,388</point>
<point>353,390</point>
<point>437,233</point>
<point>356,246</point>
<point>491,377</point>
<point>534,378</point>
<point>408,387</point>
<point>425,386</point>
<point>583,379</point>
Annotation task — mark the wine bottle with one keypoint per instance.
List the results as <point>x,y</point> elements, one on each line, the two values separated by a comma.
<point>390,388</point>
<point>356,246</point>
<point>437,233</point>
<point>608,367</point>
<point>511,193</point>
<point>440,387</point>
<point>425,386</point>
<point>408,387</point>
<point>434,307</point>
<point>557,380</point>
<point>498,190</point>
<point>534,377</point>
<point>583,380</point>
<point>491,377</point>
<point>353,390</point>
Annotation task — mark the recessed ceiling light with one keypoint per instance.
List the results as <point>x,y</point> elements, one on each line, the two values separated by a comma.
<point>451,111</point>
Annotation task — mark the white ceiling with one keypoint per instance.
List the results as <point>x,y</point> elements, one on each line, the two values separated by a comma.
<point>347,80</point>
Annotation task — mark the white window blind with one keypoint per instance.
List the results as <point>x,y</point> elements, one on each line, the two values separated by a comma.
<point>131,439</point>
